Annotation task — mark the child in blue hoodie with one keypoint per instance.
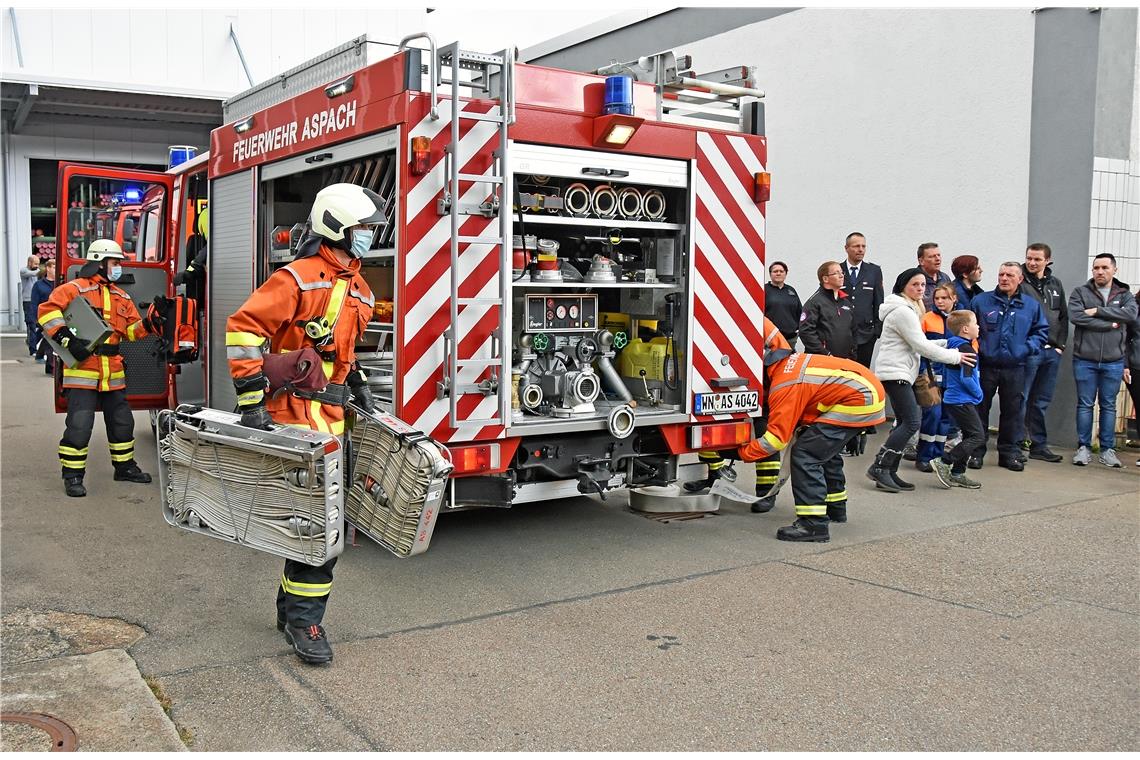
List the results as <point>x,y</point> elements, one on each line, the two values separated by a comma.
<point>962,395</point>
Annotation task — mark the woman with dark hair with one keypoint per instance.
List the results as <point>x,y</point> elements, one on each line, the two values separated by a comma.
<point>896,364</point>
<point>967,271</point>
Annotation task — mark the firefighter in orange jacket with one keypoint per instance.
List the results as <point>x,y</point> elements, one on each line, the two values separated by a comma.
<point>767,470</point>
<point>97,379</point>
<point>321,301</point>
<point>830,400</point>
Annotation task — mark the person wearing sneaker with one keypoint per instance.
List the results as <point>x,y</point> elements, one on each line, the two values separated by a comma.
<point>828,400</point>
<point>1013,328</point>
<point>1041,369</point>
<point>97,379</point>
<point>1100,310</point>
<point>896,364</point>
<point>963,394</point>
<point>321,302</point>
<point>937,424</point>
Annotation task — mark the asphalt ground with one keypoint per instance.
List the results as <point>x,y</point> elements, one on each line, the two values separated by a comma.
<point>999,619</point>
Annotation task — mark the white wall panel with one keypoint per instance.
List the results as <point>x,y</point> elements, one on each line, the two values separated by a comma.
<point>905,125</point>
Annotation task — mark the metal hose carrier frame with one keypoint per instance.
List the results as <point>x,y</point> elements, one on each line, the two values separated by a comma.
<point>606,195</point>
<point>653,205</point>
<point>576,199</point>
<point>630,203</point>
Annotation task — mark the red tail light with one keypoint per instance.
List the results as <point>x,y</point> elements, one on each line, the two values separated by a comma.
<point>421,155</point>
<point>721,436</point>
<point>472,459</point>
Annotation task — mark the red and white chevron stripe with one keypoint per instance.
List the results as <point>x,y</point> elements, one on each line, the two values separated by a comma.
<point>728,277</point>
<point>427,285</point>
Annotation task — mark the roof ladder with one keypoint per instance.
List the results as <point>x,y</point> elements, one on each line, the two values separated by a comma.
<point>486,75</point>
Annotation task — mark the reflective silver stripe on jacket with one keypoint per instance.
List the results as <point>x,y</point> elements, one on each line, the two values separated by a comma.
<point>307,285</point>
<point>243,352</point>
<point>368,301</point>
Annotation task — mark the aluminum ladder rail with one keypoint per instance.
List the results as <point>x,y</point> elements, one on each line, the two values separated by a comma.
<point>451,60</point>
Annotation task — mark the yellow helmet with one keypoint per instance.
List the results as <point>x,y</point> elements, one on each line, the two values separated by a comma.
<point>204,223</point>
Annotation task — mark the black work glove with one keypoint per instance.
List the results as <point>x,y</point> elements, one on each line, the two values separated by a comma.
<point>256,417</point>
<point>361,393</point>
<point>73,344</point>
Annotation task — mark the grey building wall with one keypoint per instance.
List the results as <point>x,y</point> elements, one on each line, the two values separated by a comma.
<point>1070,119</point>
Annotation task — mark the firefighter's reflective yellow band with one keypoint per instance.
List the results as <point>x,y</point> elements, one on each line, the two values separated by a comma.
<point>243,339</point>
<point>297,588</point>
<point>768,465</point>
<point>853,410</point>
<point>837,496</point>
<point>766,480</point>
<point>93,374</point>
<point>73,464</point>
<point>123,457</point>
<point>124,446</point>
<point>811,510</point>
<point>55,314</point>
<point>774,441</point>
<point>250,398</point>
<point>74,452</point>
<point>134,330</point>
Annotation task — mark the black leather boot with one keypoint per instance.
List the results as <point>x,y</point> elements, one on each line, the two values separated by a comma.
<point>764,505</point>
<point>132,474</point>
<point>74,486</point>
<point>901,484</point>
<point>880,471</point>
<point>805,529</point>
<point>310,643</point>
<point>837,514</point>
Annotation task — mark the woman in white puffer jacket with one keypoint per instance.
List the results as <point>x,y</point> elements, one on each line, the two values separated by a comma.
<point>896,365</point>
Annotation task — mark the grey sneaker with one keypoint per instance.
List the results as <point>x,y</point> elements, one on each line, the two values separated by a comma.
<point>1109,459</point>
<point>1083,456</point>
<point>942,472</point>
<point>963,482</point>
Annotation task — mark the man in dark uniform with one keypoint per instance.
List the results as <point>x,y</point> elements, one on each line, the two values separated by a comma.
<point>863,281</point>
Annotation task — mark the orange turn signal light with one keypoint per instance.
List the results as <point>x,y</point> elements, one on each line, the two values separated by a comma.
<point>421,155</point>
<point>762,187</point>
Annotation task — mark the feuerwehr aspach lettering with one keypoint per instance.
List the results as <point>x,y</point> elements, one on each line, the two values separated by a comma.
<point>323,122</point>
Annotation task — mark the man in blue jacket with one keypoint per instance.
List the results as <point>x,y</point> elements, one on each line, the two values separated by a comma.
<point>1013,328</point>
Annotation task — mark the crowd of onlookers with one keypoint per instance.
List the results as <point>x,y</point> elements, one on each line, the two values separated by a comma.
<point>36,282</point>
<point>947,345</point>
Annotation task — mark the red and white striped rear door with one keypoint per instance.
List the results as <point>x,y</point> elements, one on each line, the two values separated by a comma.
<point>728,267</point>
<point>426,283</point>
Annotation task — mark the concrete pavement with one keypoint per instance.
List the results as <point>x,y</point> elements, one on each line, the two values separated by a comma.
<point>999,619</point>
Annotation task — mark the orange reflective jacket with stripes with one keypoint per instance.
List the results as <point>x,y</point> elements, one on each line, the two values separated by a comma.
<point>773,338</point>
<point>98,373</point>
<point>807,388</point>
<point>273,318</point>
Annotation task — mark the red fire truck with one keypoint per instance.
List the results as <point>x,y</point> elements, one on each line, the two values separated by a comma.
<point>569,290</point>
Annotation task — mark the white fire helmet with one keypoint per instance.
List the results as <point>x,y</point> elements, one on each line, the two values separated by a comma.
<point>104,249</point>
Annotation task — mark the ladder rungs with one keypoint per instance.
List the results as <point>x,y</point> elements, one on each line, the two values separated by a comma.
<point>475,240</point>
<point>497,118</point>
<point>478,362</point>
<point>479,301</point>
<point>490,180</point>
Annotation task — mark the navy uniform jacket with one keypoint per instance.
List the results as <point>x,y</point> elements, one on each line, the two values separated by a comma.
<point>867,295</point>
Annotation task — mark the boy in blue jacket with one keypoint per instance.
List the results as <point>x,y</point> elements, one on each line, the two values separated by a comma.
<point>963,394</point>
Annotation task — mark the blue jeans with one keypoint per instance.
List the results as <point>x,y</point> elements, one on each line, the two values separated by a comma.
<point>1095,378</point>
<point>1040,381</point>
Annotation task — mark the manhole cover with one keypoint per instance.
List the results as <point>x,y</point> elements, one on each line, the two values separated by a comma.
<point>62,737</point>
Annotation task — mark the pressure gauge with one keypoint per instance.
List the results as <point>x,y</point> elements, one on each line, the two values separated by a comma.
<point>573,311</point>
<point>560,312</point>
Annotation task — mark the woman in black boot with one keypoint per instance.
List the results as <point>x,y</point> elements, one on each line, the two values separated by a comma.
<point>896,365</point>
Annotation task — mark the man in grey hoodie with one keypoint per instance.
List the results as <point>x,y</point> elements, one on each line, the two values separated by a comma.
<point>1101,310</point>
<point>28,276</point>
<point>1041,369</point>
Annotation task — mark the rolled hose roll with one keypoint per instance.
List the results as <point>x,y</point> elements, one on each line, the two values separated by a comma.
<point>577,199</point>
<point>629,203</point>
<point>603,202</point>
<point>653,205</point>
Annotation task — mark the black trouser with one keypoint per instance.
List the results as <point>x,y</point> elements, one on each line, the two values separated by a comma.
<point>81,405</point>
<point>30,323</point>
<point>817,468</point>
<point>974,436</point>
<point>908,414</point>
<point>1134,392</point>
<point>304,593</point>
<point>864,351</point>
<point>1009,382</point>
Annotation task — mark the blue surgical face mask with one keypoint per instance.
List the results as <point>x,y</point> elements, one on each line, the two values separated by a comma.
<point>362,241</point>
<point>114,272</point>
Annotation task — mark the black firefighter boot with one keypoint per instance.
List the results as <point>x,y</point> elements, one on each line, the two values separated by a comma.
<point>837,513</point>
<point>694,486</point>
<point>805,529</point>
<point>73,486</point>
<point>132,473</point>
<point>880,471</point>
<point>310,643</point>
<point>763,505</point>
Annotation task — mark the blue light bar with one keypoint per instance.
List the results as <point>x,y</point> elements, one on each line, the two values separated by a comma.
<point>132,195</point>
